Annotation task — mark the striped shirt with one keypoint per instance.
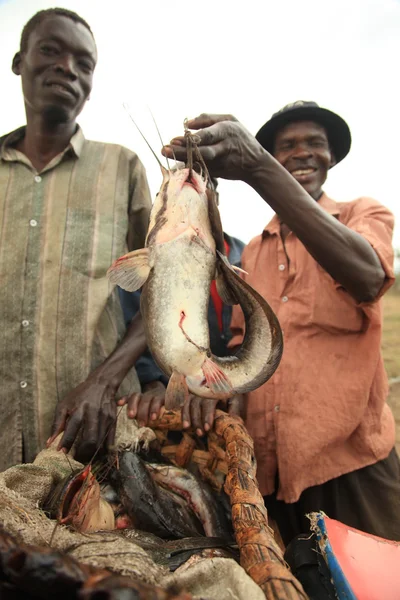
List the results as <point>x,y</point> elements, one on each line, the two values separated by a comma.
<point>59,316</point>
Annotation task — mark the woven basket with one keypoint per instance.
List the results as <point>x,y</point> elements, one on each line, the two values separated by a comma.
<point>230,461</point>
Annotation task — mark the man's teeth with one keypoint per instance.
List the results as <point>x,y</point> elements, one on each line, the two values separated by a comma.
<point>303,171</point>
<point>57,86</point>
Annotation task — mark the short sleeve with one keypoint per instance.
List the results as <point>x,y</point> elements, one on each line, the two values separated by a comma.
<point>375,223</point>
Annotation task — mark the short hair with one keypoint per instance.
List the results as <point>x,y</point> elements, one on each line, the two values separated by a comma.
<point>40,16</point>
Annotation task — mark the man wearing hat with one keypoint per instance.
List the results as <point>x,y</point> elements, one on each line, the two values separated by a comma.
<point>323,433</point>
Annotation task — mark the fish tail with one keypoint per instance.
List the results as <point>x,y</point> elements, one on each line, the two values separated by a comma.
<point>216,379</point>
<point>177,391</point>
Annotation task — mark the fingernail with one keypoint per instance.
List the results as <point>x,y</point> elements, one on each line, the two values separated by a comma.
<point>176,142</point>
<point>153,416</point>
<point>199,432</point>
<point>186,424</point>
<point>141,423</point>
<point>207,427</point>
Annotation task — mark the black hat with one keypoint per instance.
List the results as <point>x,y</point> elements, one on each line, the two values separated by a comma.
<point>337,130</point>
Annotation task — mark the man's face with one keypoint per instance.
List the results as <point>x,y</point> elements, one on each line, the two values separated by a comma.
<point>303,149</point>
<point>57,68</point>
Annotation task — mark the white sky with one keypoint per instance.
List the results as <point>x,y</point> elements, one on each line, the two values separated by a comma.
<point>245,58</point>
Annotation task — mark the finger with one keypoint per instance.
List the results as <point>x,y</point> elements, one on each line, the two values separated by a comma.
<point>122,401</point>
<point>186,422</point>
<point>90,439</point>
<point>144,409</point>
<point>234,406</point>
<point>71,431</point>
<point>208,407</point>
<point>195,414</point>
<point>133,402</point>
<point>156,404</point>
<point>58,426</point>
<point>209,153</point>
<point>207,120</point>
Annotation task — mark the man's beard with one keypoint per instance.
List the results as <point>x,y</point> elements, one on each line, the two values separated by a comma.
<point>56,114</point>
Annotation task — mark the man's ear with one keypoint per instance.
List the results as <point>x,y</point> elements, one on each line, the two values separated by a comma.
<point>333,160</point>
<point>16,64</point>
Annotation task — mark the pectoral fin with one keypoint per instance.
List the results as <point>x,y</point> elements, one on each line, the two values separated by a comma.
<point>130,271</point>
<point>177,391</point>
<point>215,378</point>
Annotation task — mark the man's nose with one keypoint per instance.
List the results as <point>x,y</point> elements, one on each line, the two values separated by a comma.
<point>302,151</point>
<point>66,65</point>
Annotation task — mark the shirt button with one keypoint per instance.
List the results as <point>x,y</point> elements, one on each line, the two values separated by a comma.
<point>25,323</point>
<point>33,223</point>
<point>285,299</point>
<point>281,267</point>
<point>38,179</point>
<point>22,384</point>
<point>277,408</point>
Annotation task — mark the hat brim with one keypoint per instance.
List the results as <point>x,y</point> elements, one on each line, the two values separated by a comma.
<point>337,130</point>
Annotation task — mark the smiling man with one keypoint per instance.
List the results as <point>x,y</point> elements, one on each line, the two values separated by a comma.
<point>323,432</point>
<point>68,208</point>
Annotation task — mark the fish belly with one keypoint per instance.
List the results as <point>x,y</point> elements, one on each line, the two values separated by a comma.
<point>175,304</point>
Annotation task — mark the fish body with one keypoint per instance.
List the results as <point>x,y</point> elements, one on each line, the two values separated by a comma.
<point>151,507</point>
<point>76,501</point>
<point>184,252</point>
<point>186,485</point>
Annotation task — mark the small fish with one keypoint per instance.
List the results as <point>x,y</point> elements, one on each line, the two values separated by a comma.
<point>186,485</point>
<point>76,501</point>
<point>184,252</point>
<point>174,553</point>
<point>150,507</point>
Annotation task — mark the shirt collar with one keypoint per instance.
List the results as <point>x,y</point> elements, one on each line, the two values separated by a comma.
<point>8,152</point>
<point>329,205</point>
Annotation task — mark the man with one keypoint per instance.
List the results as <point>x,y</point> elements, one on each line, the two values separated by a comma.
<point>146,406</point>
<point>68,207</point>
<point>323,433</point>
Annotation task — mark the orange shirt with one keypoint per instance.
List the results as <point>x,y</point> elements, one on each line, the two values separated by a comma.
<point>323,413</point>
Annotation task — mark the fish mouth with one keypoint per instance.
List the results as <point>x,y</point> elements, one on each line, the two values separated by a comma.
<point>192,180</point>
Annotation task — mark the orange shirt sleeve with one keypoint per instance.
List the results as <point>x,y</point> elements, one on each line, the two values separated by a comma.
<point>375,223</point>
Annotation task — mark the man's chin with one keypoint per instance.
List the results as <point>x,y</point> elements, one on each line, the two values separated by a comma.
<point>55,114</point>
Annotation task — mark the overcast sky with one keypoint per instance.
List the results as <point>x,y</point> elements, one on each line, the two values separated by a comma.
<point>245,58</point>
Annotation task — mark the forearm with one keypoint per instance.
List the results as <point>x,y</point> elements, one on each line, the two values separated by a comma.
<point>343,253</point>
<point>114,369</point>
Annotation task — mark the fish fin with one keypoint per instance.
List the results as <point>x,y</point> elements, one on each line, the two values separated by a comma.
<point>177,391</point>
<point>130,271</point>
<point>239,270</point>
<point>225,289</point>
<point>216,379</point>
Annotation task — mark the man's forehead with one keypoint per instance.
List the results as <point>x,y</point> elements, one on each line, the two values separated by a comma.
<point>302,128</point>
<point>67,31</point>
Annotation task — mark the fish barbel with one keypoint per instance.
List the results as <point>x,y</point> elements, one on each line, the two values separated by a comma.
<point>184,251</point>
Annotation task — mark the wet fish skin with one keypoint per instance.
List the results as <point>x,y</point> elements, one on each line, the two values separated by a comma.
<point>150,507</point>
<point>183,254</point>
<point>184,483</point>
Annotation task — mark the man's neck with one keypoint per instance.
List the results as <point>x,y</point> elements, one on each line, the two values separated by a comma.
<point>42,141</point>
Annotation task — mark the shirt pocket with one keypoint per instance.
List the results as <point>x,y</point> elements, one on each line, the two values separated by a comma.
<point>332,308</point>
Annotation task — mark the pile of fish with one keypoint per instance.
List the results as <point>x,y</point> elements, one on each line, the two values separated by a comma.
<point>153,503</point>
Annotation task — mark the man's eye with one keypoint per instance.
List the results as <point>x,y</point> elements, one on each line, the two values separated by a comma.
<point>47,49</point>
<point>87,67</point>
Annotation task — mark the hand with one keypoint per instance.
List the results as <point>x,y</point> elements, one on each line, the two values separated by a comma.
<point>228,149</point>
<point>200,412</point>
<point>90,409</point>
<point>145,406</point>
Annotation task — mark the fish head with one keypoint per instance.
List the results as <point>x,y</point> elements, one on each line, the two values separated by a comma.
<point>180,189</point>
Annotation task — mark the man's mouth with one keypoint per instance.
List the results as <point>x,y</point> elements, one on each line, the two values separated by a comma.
<point>303,172</point>
<point>61,87</point>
